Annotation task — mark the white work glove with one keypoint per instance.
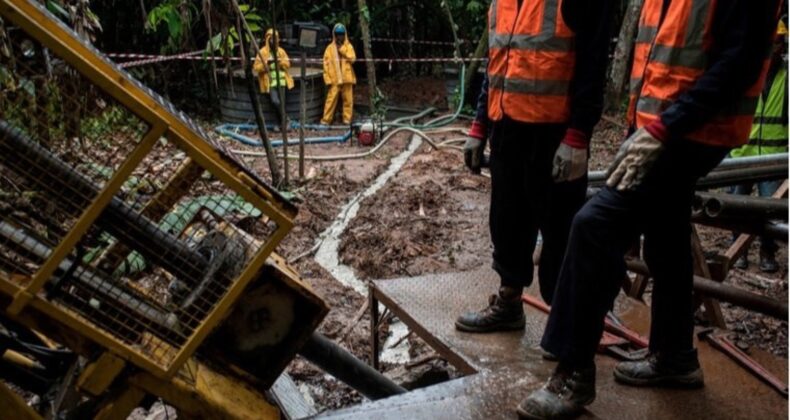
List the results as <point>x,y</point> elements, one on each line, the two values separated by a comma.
<point>634,160</point>
<point>570,163</point>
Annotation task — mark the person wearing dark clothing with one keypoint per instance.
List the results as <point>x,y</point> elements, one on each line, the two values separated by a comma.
<point>768,136</point>
<point>539,115</point>
<point>698,69</point>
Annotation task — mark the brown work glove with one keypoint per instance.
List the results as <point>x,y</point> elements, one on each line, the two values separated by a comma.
<point>570,160</point>
<point>634,160</point>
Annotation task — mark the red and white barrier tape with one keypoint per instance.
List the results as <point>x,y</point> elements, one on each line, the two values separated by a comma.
<point>150,58</point>
<point>416,41</point>
<point>143,59</point>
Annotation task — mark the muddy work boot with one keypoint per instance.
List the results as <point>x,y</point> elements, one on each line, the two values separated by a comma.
<point>564,396</point>
<point>505,312</point>
<point>768,263</point>
<point>742,263</point>
<point>682,371</point>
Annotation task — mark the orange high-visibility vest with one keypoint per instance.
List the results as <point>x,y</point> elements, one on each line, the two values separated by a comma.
<point>531,61</point>
<point>670,55</point>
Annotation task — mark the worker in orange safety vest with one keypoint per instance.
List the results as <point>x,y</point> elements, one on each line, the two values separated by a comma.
<point>541,98</point>
<point>698,70</point>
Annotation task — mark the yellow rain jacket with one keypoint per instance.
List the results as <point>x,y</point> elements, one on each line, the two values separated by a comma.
<point>261,66</point>
<point>337,63</point>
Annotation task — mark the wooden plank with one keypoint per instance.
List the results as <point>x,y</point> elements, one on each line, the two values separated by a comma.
<point>638,286</point>
<point>290,400</point>
<point>712,307</point>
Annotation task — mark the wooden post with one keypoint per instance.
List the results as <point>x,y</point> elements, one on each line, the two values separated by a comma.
<point>281,89</point>
<point>712,308</point>
<point>374,327</point>
<point>302,113</point>
<point>411,22</point>
<point>451,21</point>
<point>364,24</point>
<point>252,89</point>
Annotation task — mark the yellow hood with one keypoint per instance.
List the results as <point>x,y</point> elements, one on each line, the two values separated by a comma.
<point>337,71</point>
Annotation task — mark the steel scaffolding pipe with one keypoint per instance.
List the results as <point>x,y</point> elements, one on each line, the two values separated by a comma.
<point>741,206</point>
<point>768,229</point>
<point>725,293</point>
<point>341,364</point>
<point>752,161</point>
<point>723,176</point>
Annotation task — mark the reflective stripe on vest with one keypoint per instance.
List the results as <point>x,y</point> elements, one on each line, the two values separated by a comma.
<point>522,85</point>
<point>273,79</point>
<point>769,131</point>
<point>670,54</point>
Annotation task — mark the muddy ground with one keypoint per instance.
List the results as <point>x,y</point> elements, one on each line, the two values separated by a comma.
<point>432,217</point>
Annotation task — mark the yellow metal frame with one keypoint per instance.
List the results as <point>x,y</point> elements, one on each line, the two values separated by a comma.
<point>51,34</point>
<point>14,406</point>
<point>89,215</point>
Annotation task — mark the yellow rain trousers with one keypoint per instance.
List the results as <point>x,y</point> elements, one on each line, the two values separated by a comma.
<point>345,90</point>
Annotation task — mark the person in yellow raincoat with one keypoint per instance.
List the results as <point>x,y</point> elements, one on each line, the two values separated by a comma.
<point>272,74</point>
<point>339,75</point>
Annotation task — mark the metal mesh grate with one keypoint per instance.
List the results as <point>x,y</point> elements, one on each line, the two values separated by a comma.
<point>151,266</point>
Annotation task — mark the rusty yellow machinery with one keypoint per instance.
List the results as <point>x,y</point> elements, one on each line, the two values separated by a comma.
<point>136,255</point>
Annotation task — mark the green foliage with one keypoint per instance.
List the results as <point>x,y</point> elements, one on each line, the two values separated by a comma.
<point>475,7</point>
<point>175,222</point>
<point>225,43</point>
<point>78,15</point>
<point>379,110</point>
<point>106,123</point>
<point>176,16</point>
<point>57,9</point>
<point>365,13</point>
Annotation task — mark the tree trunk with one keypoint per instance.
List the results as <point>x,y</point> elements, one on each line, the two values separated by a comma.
<point>411,67</point>
<point>364,23</point>
<point>302,112</point>
<point>480,52</point>
<point>283,115</point>
<point>252,89</point>
<point>453,30</point>
<point>618,74</point>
